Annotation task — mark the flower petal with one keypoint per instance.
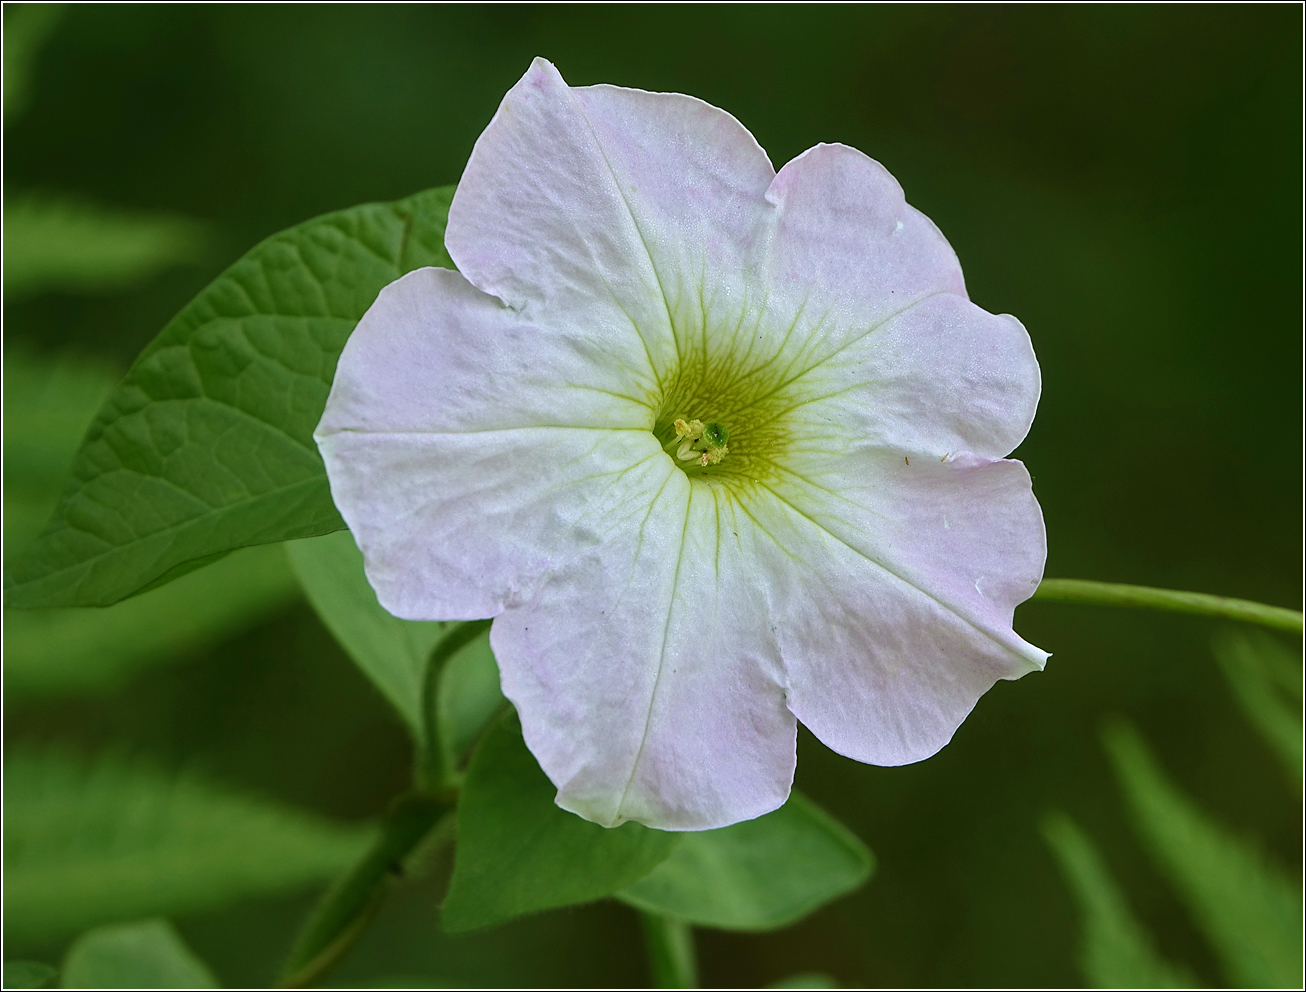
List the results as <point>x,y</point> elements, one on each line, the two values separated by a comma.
<point>605,205</point>
<point>845,233</point>
<point>836,254</point>
<point>647,676</point>
<point>944,377</point>
<point>696,181</point>
<point>469,450</point>
<point>435,354</point>
<point>895,582</point>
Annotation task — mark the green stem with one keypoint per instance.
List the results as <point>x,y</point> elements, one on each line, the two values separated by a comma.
<point>1145,597</point>
<point>438,773</point>
<point>670,952</point>
<point>348,907</point>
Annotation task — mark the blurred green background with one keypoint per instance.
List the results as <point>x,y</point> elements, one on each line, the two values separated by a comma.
<point>1125,180</point>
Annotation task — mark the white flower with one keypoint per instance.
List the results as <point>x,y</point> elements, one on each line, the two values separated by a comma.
<point>503,442</point>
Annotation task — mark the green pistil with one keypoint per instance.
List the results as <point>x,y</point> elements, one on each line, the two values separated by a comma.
<point>715,434</point>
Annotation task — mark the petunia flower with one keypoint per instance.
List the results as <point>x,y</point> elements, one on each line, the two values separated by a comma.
<point>718,448</point>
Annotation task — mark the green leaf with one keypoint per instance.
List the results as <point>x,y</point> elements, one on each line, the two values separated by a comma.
<point>1266,678</point>
<point>27,974</point>
<point>148,954</point>
<point>46,407</point>
<point>756,875</point>
<point>395,653</point>
<point>207,445</point>
<point>1115,950</point>
<point>1247,907</point>
<point>57,243</point>
<point>391,652</point>
<point>90,842</point>
<point>26,27</point>
<point>53,652</point>
<point>518,852</point>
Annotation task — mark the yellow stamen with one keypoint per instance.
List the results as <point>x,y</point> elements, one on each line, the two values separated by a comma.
<point>704,443</point>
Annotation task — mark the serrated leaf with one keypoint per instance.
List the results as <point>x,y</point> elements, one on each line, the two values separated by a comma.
<point>391,652</point>
<point>1115,950</point>
<point>756,875</point>
<point>58,243</point>
<point>207,445</point>
<point>1247,907</point>
<point>519,853</point>
<point>27,974</point>
<point>91,842</point>
<point>1267,682</point>
<point>148,954</point>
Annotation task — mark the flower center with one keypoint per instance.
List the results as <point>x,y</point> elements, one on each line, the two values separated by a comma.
<point>700,442</point>
<point>724,421</point>
<point>733,408</point>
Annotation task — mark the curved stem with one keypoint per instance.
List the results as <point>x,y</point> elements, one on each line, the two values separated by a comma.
<point>670,951</point>
<point>1145,597</point>
<point>437,771</point>
<point>347,908</point>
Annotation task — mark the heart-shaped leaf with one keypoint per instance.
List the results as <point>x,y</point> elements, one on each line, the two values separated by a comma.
<point>759,874</point>
<point>391,652</point>
<point>395,653</point>
<point>518,852</point>
<point>207,444</point>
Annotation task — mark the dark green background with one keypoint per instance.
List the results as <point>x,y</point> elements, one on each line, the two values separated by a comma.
<point>1126,180</point>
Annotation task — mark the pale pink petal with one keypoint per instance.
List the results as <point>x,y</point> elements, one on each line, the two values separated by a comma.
<point>469,450</point>
<point>647,675</point>
<point>846,239</point>
<point>896,616</point>
<point>587,203</point>
<point>917,543</point>
<point>435,354</point>
<point>944,377</point>
<point>696,181</point>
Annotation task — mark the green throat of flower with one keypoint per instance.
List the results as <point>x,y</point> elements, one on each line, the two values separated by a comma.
<point>725,415</point>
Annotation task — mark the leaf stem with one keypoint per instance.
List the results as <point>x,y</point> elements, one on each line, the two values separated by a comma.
<point>348,907</point>
<point>438,772</point>
<point>671,955</point>
<point>1145,597</point>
